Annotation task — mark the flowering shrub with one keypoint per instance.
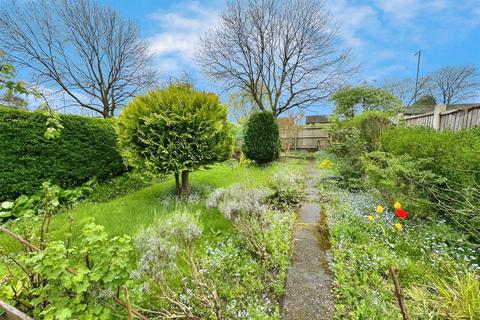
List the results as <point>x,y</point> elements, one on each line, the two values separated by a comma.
<point>200,288</point>
<point>265,228</point>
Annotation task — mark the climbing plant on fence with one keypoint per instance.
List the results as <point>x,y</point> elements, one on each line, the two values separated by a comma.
<point>85,148</point>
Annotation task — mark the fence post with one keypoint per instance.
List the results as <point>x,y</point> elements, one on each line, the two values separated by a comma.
<point>437,112</point>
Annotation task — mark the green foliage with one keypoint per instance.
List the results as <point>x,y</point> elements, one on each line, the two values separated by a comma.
<point>175,129</point>
<point>425,101</point>
<point>25,206</point>
<point>9,99</point>
<point>349,99</point>
<point>347,143</point>
<point>262,138</point>
<point>371,124</point>
<point>453,157</point>
<point>120,186</point>
<point>7,76</point>
<point>393,177</point>
<point>453,297</point>
<point>287,190</point>
<point>70,282</point>
<point>84,149</point>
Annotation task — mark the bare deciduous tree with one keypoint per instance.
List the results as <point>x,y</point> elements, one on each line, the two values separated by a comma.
<point>87,50</point>
<point>456,84</point>
<point>282,52</point>
<point>404,89</point>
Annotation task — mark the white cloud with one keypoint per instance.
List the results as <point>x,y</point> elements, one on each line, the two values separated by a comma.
<point>403,11</point>
<point>180,29</point>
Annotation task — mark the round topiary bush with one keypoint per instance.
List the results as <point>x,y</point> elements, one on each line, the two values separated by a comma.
<point>261,139</point>
<point>176,129</point>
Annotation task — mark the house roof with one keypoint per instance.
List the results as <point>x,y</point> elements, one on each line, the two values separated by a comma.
<point>426,109</point>
<point>317,119</point>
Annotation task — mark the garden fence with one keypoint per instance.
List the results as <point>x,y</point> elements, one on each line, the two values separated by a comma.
<point>441,119</point>
<point>306,137</point>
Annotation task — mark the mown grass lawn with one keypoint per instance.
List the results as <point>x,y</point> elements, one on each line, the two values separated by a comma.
<point>137,210</point>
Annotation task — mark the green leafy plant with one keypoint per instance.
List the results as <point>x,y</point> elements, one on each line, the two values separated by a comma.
<point>371,124</point>
<point>347,143</point>
<point>25,206</point>
<point>400,178</point>
<point>452,297</point>
<point>58,280</point>
<point>262,138</point>
<point>175,130</point>
<point>287,191</point>
<point>453,157</point>
<point>349,100</point>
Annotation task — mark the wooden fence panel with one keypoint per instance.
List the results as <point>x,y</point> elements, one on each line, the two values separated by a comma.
<point>453,120</point>
<point>304,138</point>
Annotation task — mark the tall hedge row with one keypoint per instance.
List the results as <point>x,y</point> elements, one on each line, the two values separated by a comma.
<point>86,148</point>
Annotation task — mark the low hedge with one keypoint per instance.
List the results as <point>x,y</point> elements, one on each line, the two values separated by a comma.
<point>86,148</point>
<point>452,155</point>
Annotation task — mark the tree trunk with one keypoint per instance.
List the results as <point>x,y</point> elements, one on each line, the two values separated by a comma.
<point>178,187</point>
<point>185,185</point>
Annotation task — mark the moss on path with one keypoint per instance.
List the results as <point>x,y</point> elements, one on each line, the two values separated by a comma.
<point>309,279</point>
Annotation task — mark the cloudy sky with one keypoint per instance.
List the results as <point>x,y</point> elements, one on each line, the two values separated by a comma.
<point>382,34</point>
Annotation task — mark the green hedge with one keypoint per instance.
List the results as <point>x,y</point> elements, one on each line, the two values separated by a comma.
<point>86,148</point>
<point>452,155</point>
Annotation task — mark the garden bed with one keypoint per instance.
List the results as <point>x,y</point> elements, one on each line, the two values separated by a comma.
<point>122,244</point>
<point>437,266</point>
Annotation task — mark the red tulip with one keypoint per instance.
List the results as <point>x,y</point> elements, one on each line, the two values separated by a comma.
<point>401,213</point>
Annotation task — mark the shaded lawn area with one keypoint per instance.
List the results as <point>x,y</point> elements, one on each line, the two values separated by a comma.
<point>130,213</point>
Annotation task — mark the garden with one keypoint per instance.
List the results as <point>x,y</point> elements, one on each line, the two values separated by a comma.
<point>163,207</point>
<point>211,241</point>
<point>168,223</point>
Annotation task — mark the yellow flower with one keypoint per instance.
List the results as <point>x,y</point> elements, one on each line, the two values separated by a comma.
<point>326,164</point>
<point>371,218</point>
<point>398,226</point>
<point>379,209</point>
<point>397,205</point>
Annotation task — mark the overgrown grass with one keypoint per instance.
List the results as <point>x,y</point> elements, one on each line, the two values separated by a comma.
<point>175,239</point>
<point>131,213</point>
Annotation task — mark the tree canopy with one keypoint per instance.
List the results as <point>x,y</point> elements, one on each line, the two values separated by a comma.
<point>175,130</point>
<point>82,48</point>
<point>350,100</point>
<point>283,53</point>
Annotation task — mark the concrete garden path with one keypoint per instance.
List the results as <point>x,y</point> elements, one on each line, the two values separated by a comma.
<point>309,279</point>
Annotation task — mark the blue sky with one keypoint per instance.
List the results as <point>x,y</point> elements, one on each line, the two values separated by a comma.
<point>383,35</point>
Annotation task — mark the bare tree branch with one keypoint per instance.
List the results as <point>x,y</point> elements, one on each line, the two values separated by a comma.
<point>86,50</point>
<point>281,52</point>
<point>456,84</point>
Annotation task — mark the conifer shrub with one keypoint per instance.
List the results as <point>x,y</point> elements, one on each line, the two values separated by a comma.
<point>262,139</point>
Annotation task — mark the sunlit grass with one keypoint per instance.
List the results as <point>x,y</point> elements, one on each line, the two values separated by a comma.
<point>137,210</point>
